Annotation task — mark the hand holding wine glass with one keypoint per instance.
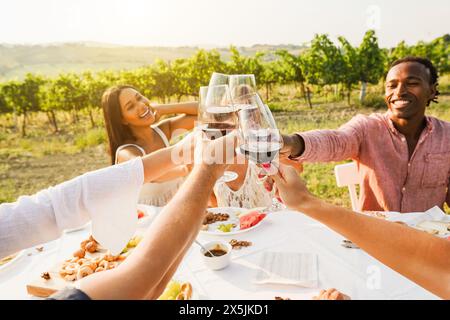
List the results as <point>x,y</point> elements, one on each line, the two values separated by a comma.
<point>217,117</point>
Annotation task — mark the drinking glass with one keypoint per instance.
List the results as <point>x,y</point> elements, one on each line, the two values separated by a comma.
<point>241,85</point>
<point>260,139</point>
<point>217,117</point>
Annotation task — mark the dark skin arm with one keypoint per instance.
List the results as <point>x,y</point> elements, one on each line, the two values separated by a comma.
<point>421,257</point>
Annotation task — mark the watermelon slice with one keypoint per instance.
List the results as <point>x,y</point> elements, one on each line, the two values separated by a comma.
<point>250,219</point>
<point>140,214</point>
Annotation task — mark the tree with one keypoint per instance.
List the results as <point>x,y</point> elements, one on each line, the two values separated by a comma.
<point>163,79</point>
<point>273,73</point>
<point>22,97</point>
<point>371,61</point>
<point>352,64</point>
<point>400,51</point>
<point>440,53</point>
<point>200,68</point>
<point>92,88</point>
<point>68,93</point>
<point>4,107</point>
<point>292,66</point>
<point>181,81</point>
<point>47,97</point>
<point>240,64</point>
<point>322,63</point>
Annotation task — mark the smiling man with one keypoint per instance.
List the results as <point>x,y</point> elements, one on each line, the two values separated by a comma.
<point>403,156</point>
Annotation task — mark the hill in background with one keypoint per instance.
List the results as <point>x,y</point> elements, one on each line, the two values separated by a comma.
<point>52,59</point>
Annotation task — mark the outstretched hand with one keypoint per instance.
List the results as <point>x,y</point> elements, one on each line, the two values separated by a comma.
<point>290,187</point>
<point>297,166</point>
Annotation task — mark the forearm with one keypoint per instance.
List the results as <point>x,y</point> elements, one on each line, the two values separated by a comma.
<point>421,257</point>
<point>168,236</point>
<point>328,145</point>
<point>158,164</point>
<point>159,289</point>
<point>189,108</point>
<point>174,173</point>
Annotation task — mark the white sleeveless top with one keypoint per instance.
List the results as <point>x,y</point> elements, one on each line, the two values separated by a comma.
<point>156,193</point>
<point>250,195</point>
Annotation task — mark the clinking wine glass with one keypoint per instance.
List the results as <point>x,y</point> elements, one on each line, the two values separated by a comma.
<point>218,79</point>
<point>217,117</point>
<point>260,139</point>
<point>241,85</point>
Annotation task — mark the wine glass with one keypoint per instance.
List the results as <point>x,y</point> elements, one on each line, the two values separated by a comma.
<point>217,117</point>
<point>218,79</point>
<point>241,85</point>
<point>260,139</point>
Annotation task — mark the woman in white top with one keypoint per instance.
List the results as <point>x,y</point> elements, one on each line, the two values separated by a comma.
<point>134,130</point>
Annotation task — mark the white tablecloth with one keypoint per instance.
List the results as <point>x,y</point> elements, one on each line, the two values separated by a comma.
<point>352,271</point>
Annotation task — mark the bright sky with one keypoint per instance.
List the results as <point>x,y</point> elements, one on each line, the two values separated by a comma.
<point>220,23</point>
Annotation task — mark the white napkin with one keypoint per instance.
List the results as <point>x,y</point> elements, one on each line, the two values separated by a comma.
<point>290,268</point>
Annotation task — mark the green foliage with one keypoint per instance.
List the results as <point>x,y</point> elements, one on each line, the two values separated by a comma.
<point>92,138</point>
<point>374,101</point>
<point>371,59</point>
<point>200,68</point>
<point>323,62</point>
<point>438,51</point>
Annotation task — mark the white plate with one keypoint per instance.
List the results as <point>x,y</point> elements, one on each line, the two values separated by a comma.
<point>232,211</point>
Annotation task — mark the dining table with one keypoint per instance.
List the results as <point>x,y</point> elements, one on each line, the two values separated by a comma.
<point>349,270</point>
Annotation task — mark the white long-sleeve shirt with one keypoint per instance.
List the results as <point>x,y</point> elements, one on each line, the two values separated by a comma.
<point>103,196</point>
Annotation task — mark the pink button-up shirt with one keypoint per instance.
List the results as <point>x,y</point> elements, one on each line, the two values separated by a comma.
<point>390,181</point>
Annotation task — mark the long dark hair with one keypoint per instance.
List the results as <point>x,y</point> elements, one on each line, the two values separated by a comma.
<point>118,133</point>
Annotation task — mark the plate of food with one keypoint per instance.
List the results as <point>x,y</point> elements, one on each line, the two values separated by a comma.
<point>226,221</point>
<point>89,258</point>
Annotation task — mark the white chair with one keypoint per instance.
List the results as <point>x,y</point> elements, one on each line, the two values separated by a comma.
<point>347,175</point>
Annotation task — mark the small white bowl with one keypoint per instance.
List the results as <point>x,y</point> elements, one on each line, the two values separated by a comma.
<point>217,263</point>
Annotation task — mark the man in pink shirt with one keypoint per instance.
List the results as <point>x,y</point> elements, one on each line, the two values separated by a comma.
<point>403,156</point>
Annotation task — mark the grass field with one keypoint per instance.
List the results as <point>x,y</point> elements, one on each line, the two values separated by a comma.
<point>44,158</point>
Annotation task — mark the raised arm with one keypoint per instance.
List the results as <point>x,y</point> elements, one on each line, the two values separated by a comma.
<point>146,272</point>
<point>327,145</point>
<point>189,108</point>
<point>421,257</point>
<point>42,217</point>
<point>185,119</point>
